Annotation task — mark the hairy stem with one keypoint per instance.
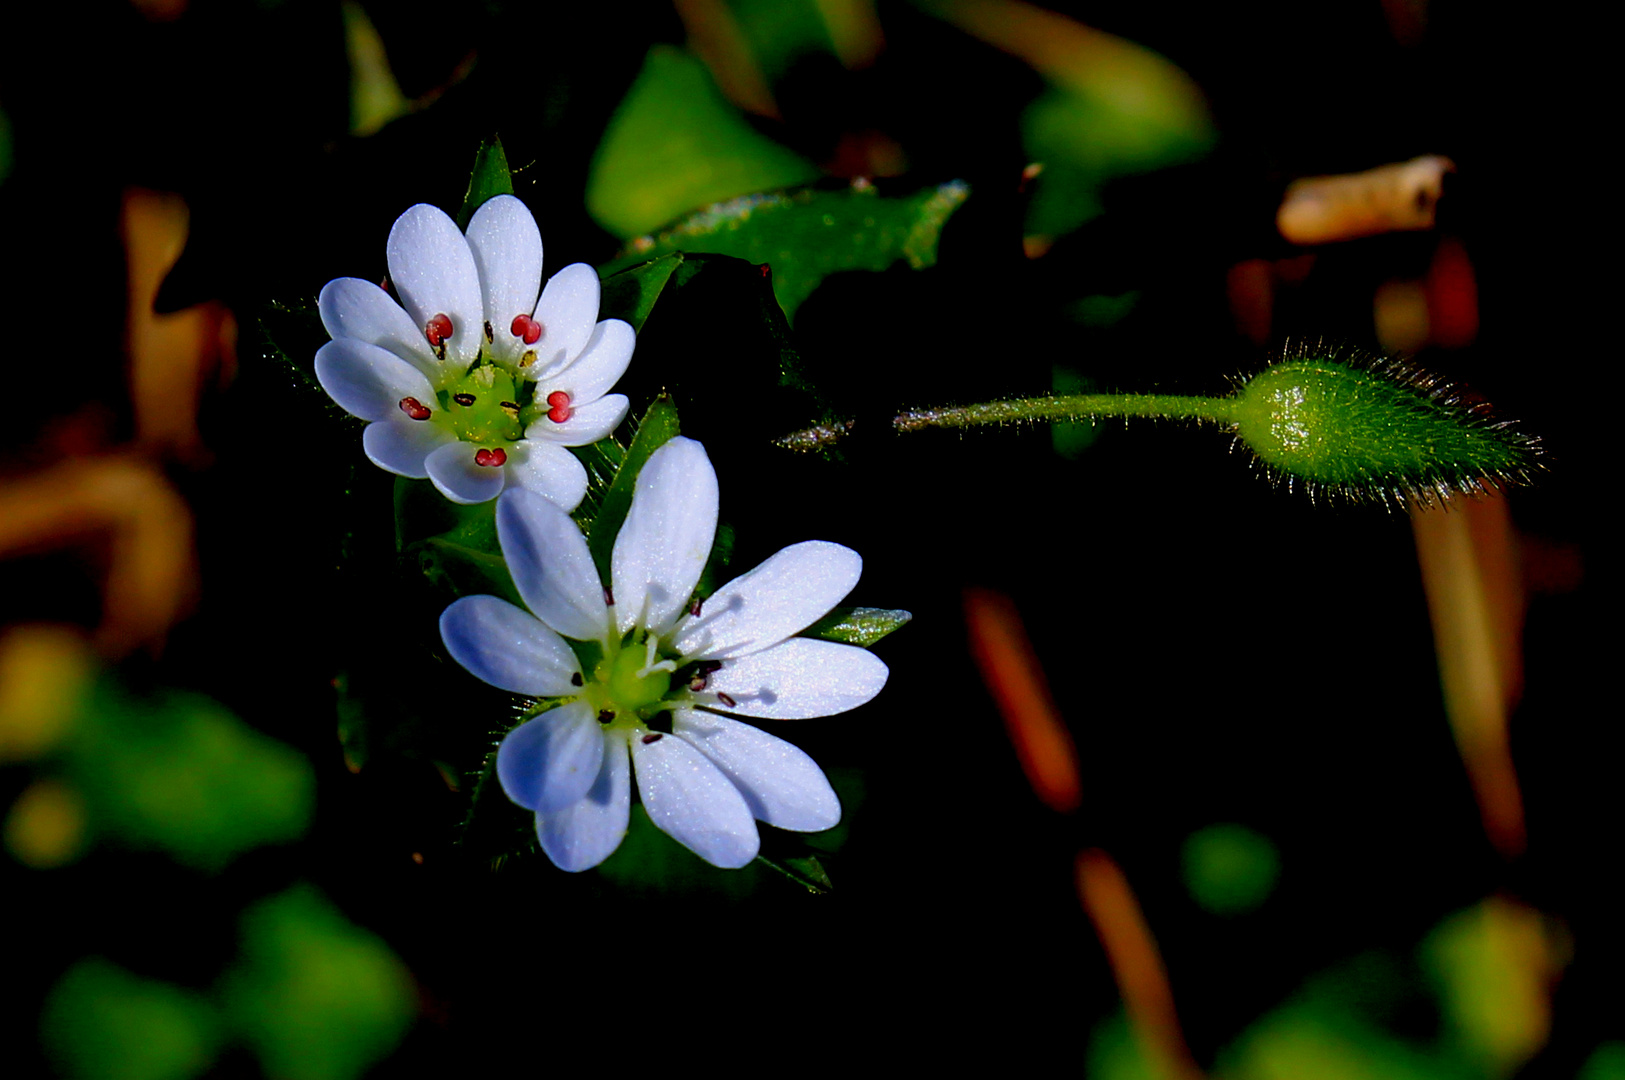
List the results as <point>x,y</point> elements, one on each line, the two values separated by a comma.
<point>1071,408</point>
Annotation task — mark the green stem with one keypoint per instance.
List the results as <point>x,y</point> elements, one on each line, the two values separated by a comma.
<point>1072,408</point>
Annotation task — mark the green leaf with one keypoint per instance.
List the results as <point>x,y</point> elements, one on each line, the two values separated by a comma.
<point>807,235</point>
<point>630,294</point>
<point>422,512</point>
<point>102,1022</point>
<point>658,426</point>
<point>463,571</point>
<point>674,144</point>
<point>857,625</point>
<point>804,870</point>
<point>489,179</point>
<point>315,996</point>
<point>290,335</point>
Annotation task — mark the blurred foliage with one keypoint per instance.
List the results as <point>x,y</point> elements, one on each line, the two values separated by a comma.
<point>315,996</point>
<point>675,144</point>
<point>1607,1063</point>
<point>102,1023</point>
<point>375,96</point>
<point>1229,869</point>
<point>809,234</point>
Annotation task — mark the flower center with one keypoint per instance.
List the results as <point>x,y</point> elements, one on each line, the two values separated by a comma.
<point>628,685</point>
<point>481,406</point>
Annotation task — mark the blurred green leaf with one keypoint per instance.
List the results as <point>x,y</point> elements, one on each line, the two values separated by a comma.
<point>1115,1054</point>
<point>1229,869</point>
<point>317,997</point>
<point>809,234</point>
<point>290,335</point>
<point>857,625</point>
<point>5,146</point>
<point>674,144</point>
<point>1307,1042</point>
<point>658,426</point>
<point>489,179</point>
<point>184,776</point>
<point>102,1023</point>
<point>462,571</point>
<point>1607,1063</point>
<point>375,97</point>
<point>1493,964</point>
<point>1088,135</point>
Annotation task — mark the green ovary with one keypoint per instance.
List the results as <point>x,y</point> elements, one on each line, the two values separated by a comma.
<point>492,416</point>
<point>620,689</point>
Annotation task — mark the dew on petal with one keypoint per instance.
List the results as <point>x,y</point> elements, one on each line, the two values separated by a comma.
<point>414,408</point>
<point>438,329</point>
<point>491,458</point>
<point>559,403</point>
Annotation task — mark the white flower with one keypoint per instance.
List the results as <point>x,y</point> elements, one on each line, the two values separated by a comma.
<point>705,781</point>
<point>477,384</point>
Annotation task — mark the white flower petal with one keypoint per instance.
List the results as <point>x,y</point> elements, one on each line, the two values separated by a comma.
<point>507,251</point>
<point>353,308</point>
<point>587,424</point>
<point>549,470</point>
<point>548,763</point>
<point>598,368</point>
<point>691,801</point>
<point>663,545</point>
<point>787,593</point>
<point>799,678</point>
<point>459,478</point>
<point>433,272</point>
<point>550,564</point>
<point>368,381</point>
<point>401,445</point>
<point>588,831</point>
<point>780,783</point>
<point>568,311</point>
<point>509,648</point>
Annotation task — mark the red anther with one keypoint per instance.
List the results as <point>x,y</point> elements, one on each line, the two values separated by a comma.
<point>526,327</point>
<point>491,458</point>
<point>437,329</point>
<point>560,410</point>
<point>726,700</point>
<point>414,408</point>
<point>653,737</point>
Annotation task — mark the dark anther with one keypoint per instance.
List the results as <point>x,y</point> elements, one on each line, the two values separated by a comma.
<point>609,597</point>
<point>606,715</point>
<point>489,334</point>
<point>509,407</point>
<point>697,683</point>
<point>694,608</point>
<point>708,666</point>
<point>726,700</point>
<point>653,737</point>
<point>465,400</point>
<point>575,680</point>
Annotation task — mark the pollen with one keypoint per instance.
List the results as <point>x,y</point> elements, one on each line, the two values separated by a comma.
<point>438,329</point>
<point>527,329</point>
<point>414,408</point>
<point>559,406</point>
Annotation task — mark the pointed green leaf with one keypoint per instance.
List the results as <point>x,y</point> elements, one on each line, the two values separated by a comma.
<point>658,426</point>
<point>489,179</point>
<point>676,143</point>
<point>809,234</point>
<point>857,625</point>
<point>631,293</point>
<point>804,870</point>
<point>463,571</point>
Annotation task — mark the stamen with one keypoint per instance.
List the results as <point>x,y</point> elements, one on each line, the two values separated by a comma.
<point>528,359</point>
<point>653,737</point>
<point>609,597</point>
<point>490,335</point>
<point>465,400</point>
<point>726,700</point>
<point>606,715</point>
<point>491,458</point>
<point>526,328</point>
<point>694,608</point>
<point>437,329</point>
<point>697,683</point>
<point>707,667</point>
<point>560,402</point>
<point>575,680</point>
<point>414,408</point>
<point>509,407</point>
